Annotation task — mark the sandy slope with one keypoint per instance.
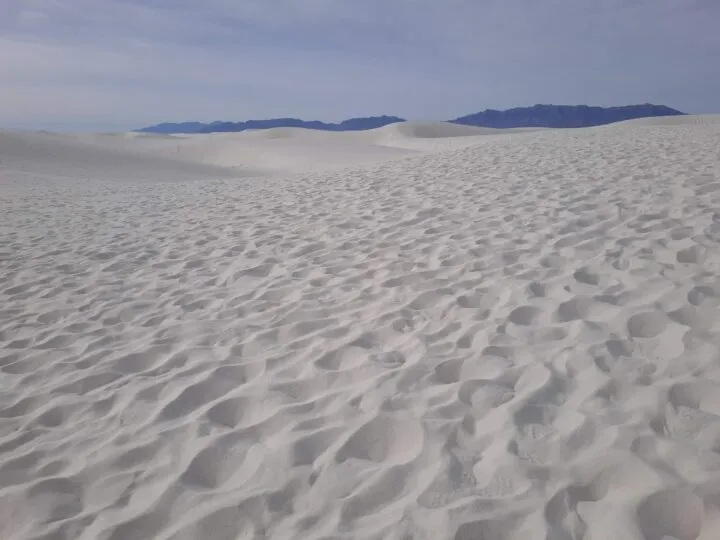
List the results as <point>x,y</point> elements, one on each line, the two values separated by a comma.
<point>34,156</point>
<point>292,150</point>
<point>694,120</point>
<point>514,340</point>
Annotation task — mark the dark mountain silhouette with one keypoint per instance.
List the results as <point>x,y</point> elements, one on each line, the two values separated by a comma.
<point>174,127</point>
<point>551,116</point>
<point>562,116</point>
<point>353,124</point>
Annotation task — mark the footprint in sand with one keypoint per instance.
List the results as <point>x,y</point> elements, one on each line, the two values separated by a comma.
<point>673,513</point>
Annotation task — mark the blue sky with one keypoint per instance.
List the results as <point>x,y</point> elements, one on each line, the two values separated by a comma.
<point>120,64</point>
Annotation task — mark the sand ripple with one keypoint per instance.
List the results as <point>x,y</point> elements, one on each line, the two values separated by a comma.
<point>515,340</point>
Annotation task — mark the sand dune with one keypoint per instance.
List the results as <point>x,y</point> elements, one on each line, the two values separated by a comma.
<point>514,340</point>
<point>28,156</point>
<point>144,158</point>
<point>314,151</point>
<point>689,120</point>
<point>438,130</point>
<point>298,150</point>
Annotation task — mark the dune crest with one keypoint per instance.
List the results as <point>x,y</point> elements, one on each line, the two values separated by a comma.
<point>144,157</point>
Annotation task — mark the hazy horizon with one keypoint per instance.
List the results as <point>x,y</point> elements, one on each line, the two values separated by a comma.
<point>125,64</point>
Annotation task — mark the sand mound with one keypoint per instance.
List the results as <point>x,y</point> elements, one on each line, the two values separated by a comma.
<point>52,156</point>
<point>169,158</point>
<point>292,150</point>
<point>688,120</point>
<point>436,136</point>
<point>302,134</point>
<point>275,153</point>
<point>282,151</point>
<point>420,130</point>
<point>434,130</point>
<point>514,340</point>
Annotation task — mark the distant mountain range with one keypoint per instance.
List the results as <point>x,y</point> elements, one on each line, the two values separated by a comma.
<point>550,116</point>
<point>353,124</point>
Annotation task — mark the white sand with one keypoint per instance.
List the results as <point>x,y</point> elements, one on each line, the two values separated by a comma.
<point>514,339</point>
<point>293,150</point>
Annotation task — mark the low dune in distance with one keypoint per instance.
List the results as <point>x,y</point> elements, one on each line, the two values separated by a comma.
<point>252,153</point>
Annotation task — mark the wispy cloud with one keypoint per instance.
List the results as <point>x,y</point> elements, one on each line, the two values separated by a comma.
<point>116,64</point>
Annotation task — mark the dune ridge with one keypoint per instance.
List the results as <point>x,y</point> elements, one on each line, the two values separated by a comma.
<point>171,158</point>
<point>30,156</point>
<point>516,339</point>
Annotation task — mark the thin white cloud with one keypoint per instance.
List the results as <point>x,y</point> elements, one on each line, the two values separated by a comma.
<point>122,63</point>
